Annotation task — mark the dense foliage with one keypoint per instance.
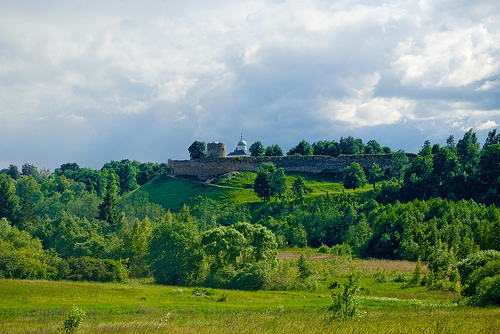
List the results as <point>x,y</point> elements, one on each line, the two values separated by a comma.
<point>439,206</point>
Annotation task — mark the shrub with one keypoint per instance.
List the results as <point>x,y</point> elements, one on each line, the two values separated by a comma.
<point>416,278</point>
<point>488,292</point>
<point>344,302</point>
<point>323,249</point>
<point>252,277</point>
<point>73,320</point>
<point>341,250</point>
<point>381,275</point>
<point>479,259</point>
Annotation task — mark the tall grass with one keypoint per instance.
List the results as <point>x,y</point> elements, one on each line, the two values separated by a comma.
<point>143,307</point>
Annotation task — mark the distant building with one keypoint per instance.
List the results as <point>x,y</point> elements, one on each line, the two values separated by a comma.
<point>216,150</point>
<point>240,151</point>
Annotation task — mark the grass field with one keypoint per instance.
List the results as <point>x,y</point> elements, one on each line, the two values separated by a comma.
<point>173,193</point>
<point>143,307</point>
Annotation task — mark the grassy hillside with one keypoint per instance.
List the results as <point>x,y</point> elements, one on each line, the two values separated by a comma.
<point>173,193</point>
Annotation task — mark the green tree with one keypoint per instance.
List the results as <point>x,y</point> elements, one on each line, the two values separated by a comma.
<point>372,147</point>
<point>28,169</point>
<point>256,149</point>
<point>445,163</point>
<point>8,199</point>
<point>13,172</point>
<point>468,152</point>
<point>107,209</point>
<point>350,145</point>
<point>223,245</point>
<point>197,150</point>
<point>262,184</point>
<point>299,187</point>
<point>30,197</point>
<point>274,151</point>
<point>399,164</point>
<point>426,149</point>
<point>175,252</point>
<point>330,148</point>
<point>374,174</point>
<point>302,148</point>
<point>492,139</point>
<point>354,176</point>
<point>344,304</point>
<point>278,183</point>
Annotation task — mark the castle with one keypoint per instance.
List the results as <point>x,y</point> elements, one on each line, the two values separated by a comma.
<point>218,163</point>
<point>218,150</point>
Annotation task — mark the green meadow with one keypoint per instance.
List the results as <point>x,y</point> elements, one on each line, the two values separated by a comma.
<point>140,306</point>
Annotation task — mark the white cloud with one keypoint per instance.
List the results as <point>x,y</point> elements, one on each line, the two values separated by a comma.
<point>450,59</point>
<point>487,125</point>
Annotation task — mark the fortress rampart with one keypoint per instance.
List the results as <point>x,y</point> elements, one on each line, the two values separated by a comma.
<point>208,168</point>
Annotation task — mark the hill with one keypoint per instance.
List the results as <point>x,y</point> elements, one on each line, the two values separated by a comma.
<point>235,188</point>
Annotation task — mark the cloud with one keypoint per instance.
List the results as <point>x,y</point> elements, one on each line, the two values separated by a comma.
<point>145,80</point>
<point>450,59</point>
<point>487,125</point>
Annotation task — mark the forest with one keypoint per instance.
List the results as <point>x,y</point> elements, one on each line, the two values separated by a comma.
<point>95,225</point>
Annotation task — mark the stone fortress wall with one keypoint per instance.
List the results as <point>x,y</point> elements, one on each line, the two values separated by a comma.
<point>208,168</point>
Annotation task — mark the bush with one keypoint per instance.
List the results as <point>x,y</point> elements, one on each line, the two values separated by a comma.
<point>490,269</point>
<point>488,292</point>
<point>323,249</point>
<point>381,275</point>
<point>220,278</point>
<point>479,259</point>
<point>98,270</point>
<point>344,302</point>
<point>73,320</point>
<point>341,250</point>
<point>251,278</point>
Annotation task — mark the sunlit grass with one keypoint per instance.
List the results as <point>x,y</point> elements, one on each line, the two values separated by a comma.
<point>140,306</point>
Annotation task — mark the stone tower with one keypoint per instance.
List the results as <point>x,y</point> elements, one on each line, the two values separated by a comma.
<point>216,150</point>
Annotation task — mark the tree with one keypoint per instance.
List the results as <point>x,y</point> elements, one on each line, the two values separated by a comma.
<point>330,148</point>
<point>273,151</point>
<point>426,149</point>
<point>262,184</point>
<point>13,172</point>
<point>445,163</point>
<point>349,145</point>
<point>468,152</point>
<point>492,139</point>
<point>107,209</point>
<point>256,149</point>
<point>175,252</point>
<point>278,183</point>
<point>374,173</point>
<point>354,176</point>
<point>398,165</point>
<point>372,147</point>
<point>299,187</point>
<point>28,169</point>
<point>344,303</point>
<point>8,199</point>
<point>127,176</point>
<point>197,150</point>
<point>302,148</point>
<point>30,196</point>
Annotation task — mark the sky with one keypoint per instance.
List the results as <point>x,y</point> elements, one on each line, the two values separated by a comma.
<point>95,81</point>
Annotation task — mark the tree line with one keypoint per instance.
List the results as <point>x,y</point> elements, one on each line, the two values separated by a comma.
<point>347,146</point>
<point>80,224</point>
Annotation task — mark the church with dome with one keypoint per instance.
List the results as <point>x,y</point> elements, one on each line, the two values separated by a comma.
<point>240,151</point>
